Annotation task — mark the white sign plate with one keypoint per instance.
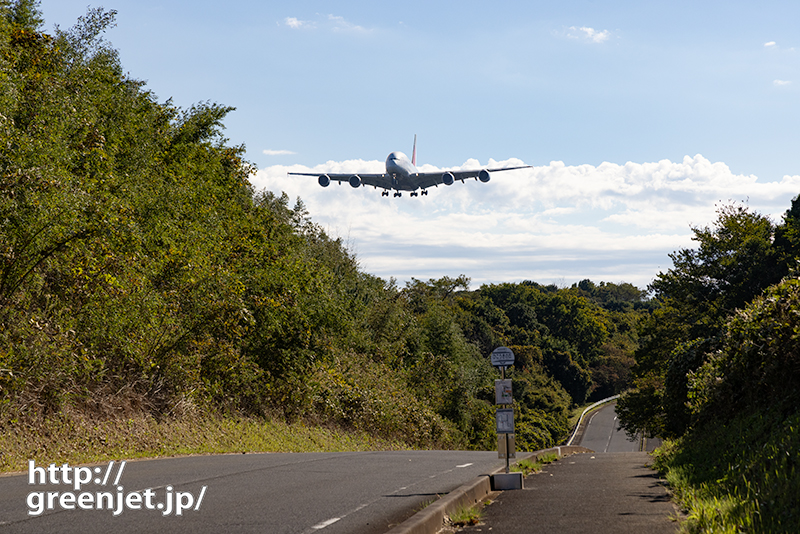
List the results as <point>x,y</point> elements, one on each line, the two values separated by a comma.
<point>502,357</point>
<point>505,421</point>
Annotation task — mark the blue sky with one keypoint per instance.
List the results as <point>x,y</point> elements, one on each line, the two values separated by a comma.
<point>639,118</point>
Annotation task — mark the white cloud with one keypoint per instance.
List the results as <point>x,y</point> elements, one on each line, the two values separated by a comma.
<point>296,23</point>
<point>549,223</point>
<point>589,34</point>
<point>331,22</point>
<point>770,44</point>
<point>780,83</point>
<point>340,24</point>
<point>270,152</point>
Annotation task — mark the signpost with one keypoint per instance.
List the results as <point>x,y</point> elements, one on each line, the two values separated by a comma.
<point>503,357</point>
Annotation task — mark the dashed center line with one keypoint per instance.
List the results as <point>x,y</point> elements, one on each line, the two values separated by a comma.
<point>323,524</point>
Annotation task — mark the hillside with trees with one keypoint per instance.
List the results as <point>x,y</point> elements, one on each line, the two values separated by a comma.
<point>718,371</point>
<point>143,279</point>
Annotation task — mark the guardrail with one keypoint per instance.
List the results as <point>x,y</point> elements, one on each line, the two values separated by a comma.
<point>587,410</point>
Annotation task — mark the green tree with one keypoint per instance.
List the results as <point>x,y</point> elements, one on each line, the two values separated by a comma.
<point>735,260</point>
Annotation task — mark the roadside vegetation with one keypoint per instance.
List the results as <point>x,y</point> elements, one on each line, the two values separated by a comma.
<point>465,516</point>
<point>529,467</point>
<point>718,372</point>
<point>151,302</point>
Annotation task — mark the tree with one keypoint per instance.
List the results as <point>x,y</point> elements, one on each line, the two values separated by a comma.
<point>735,261</point>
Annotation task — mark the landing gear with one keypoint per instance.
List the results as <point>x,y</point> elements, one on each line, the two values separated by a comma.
<point>397,194</point>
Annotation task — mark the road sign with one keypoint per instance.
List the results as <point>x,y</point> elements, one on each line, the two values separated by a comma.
<point>505,420</point>
<point>502,392</point>
<point>502,357</point>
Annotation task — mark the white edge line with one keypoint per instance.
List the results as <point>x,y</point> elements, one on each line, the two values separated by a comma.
<point>324,524</point>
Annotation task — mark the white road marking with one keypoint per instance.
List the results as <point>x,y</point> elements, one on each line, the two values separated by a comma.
<point>324,524</point>
<point>320,526</point>
<point>613,429</point>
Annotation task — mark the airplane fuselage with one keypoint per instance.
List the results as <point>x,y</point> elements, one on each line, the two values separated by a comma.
<point>400,168</point>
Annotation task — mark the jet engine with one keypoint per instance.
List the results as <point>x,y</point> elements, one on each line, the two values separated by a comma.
<point>448,178</point>
<point>484,176</point>
<point>324,180</point>
<point>355,181</point>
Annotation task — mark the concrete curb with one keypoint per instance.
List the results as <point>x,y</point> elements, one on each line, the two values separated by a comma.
<point>431,519</point>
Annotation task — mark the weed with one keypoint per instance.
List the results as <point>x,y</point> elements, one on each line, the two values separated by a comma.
<point>464,516</point>
<point>424,504</point>
<point>529,467</point>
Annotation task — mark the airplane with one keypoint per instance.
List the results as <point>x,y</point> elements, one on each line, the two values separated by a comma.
<point>402,175</point>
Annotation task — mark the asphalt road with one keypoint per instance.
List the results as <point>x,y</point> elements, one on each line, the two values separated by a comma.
<point>603,434</point>
<point>330,493</point>
<point>359,493</point>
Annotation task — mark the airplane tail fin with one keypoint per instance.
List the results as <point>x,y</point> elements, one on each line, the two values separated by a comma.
<point>414,152</point>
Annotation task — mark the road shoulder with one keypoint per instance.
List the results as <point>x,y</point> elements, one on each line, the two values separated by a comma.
<point>598,493</point>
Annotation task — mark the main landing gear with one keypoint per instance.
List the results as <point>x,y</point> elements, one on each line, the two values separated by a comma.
<point>399,194</point>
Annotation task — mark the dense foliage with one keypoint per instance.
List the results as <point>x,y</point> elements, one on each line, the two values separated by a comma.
<point>717,369</point>
<point>570,344</point>
<point>140,273</point>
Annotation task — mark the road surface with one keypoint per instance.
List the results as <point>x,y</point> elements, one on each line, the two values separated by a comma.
<point>328,493</point>
<point>603,434</point>
<point>610,491</point>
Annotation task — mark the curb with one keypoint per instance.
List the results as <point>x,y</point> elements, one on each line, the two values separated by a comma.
<point>431,519</point>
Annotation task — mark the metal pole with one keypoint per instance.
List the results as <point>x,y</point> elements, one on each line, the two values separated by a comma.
<point>508,451</point>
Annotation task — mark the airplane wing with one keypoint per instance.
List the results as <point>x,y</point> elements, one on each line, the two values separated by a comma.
<point>375,180</point>
<point>422,180</point>
<point>430,179</point>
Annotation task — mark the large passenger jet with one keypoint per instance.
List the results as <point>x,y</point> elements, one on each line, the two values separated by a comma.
<point>402,175</point>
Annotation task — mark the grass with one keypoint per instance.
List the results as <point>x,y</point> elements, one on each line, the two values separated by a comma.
<point>78,440</point>
<point>424,504</point>
<point>528,466</point>
<point>466,515</point>
<point>741,476</point>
